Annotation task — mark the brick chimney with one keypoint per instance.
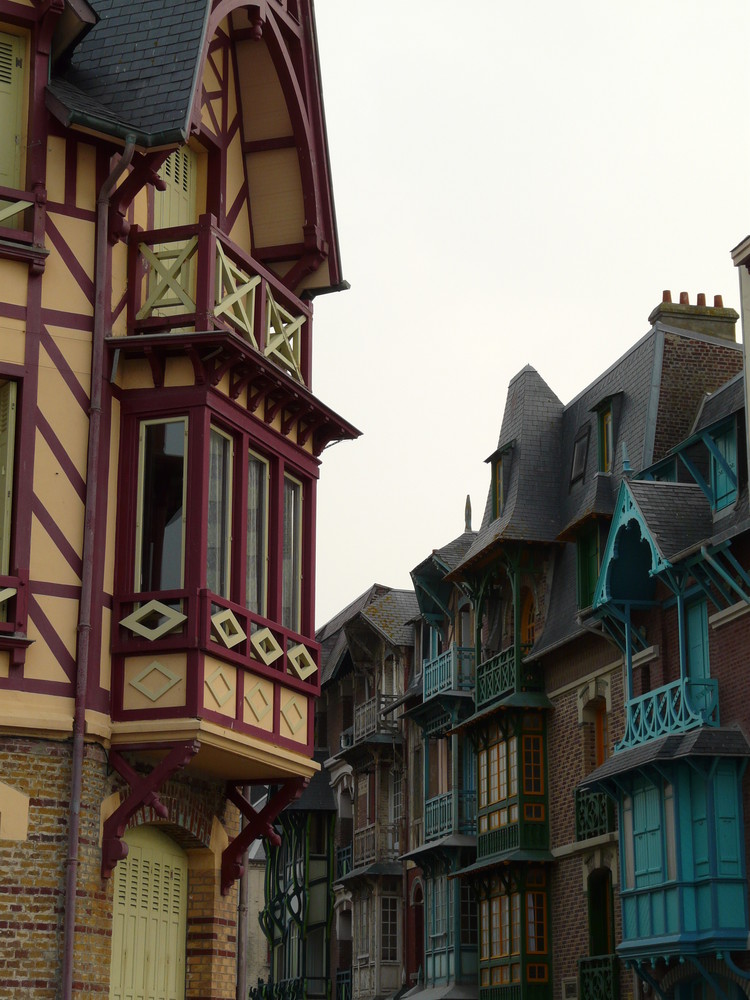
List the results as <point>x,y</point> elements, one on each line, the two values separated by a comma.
<point>713,321</point>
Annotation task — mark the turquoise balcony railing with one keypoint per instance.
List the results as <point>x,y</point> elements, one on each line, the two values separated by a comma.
<point>452,670</point>
<point>344,984</point>
<point>598,978</point>
<point>595,814</point>
<point>503,674</point>
<point>438,815</point>
<point>675,708</point>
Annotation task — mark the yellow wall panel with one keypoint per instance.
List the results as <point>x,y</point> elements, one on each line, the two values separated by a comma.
<point>56,168</point>
<point>14,278</point>
<point>158,681</point>
<point>12,339</point>
<point>119,279</point>
<point>114,454</point>
<point>105,660</point>
<point>14,813</point>
<point>56,493</point>
<point>134,374</point>
<point>235,183</point>
<point>179,371</point>
<point>257,706</point>
<point>219,687</point>
<point>62,614</point>
<point>4,666</point>
<point>60,285</point>
<point>22,711</point>
<point>263,106</point>
<point>86,177</point>
<point>293,717</point>
<point>47,562</point>
<point>276,191</point>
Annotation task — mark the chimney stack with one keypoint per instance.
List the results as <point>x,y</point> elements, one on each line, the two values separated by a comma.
<point>712,321</point>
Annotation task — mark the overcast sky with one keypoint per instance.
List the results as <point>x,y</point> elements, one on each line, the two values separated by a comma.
<point>515,183</point>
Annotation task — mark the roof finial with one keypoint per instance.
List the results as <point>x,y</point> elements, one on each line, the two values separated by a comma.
<point>467,514</point>
<point>626,469</point>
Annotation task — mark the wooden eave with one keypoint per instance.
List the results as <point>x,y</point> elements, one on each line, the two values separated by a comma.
<point>271,391</point>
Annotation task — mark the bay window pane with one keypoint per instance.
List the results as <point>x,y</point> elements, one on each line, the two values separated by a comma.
<point>257,533</point>
<point>161,505</point>
<point>219,513</point>
<point>291,576</point>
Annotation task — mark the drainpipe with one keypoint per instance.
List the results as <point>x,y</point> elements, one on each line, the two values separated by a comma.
<point>87,579</point>
<point>242,915</point>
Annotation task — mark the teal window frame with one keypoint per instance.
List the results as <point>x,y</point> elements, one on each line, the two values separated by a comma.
<point>723,490</point>
<point>588,555</point>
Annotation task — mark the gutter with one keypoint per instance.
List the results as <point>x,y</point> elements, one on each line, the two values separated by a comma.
<point>89,548</point>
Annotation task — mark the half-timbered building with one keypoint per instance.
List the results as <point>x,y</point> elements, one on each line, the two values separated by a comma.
<point>166,220</point>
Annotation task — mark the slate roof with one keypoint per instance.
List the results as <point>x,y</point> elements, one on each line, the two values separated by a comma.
<point>678,515</point>
<point>722,403</point>
<point>318,796</point>
<point>331,636</point>
<point>450,555</point>
<point>135,71</point>
<point>703,742</point>
<point>392,615</point>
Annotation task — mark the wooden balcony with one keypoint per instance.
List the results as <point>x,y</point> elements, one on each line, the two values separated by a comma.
<point>439,813</point>
<point>504,674</point>
<point>451,671</point>
<point>520,835</point>
<point>595,814</point>
<point>22,221</point>
<point>195,279</point>
<point>375,842</point>
<point>194,665</point>
<point>369,722</point>
<point>677,707</point>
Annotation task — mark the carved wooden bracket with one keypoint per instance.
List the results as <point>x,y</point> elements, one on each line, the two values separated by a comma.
<point>144,791</point>
<point>257,824</point>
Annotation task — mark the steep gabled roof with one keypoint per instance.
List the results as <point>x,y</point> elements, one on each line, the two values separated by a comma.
<point>136,71</point>
<point>392,615</point>
<point>718,405</point>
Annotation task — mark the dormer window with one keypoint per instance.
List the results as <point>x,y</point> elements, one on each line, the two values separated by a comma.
<point>605,439</point>
<point>724,467</point>
<point>589,555</point>
<point>499,487</point>
<point>580,453</point>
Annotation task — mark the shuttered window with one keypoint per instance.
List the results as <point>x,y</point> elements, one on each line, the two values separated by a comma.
<point>11,110</point>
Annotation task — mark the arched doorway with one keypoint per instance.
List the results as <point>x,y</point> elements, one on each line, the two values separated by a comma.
<point>149,918</point>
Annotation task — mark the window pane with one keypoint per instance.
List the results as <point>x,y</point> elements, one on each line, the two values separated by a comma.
<point>7,447</point>
<point>257,533</point>
<point>219,512</point>
<point>161,507</point>
<point>292,559</point>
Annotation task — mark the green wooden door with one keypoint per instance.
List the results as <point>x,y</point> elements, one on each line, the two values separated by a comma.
<point>11,109</point>
<point>175,206</point>
<point>149,919</point>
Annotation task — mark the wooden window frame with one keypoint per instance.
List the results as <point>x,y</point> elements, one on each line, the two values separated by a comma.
<point>225,534</point>
<point>606,438</point>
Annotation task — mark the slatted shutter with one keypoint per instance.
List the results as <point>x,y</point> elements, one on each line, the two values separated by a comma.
<point>175,206</point>
<point>7,446</point>
<point>11,108</point>
<point>149,919</point>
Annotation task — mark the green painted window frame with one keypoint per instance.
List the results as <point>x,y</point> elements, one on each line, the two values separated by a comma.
<point>723,492</point>
<point>588,557</point>
<point>580,455</point>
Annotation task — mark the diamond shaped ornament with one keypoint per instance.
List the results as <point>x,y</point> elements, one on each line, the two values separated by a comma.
<point>293,723</point>
<point>228,630</point>
<point>167,619</point>
<point>266,646</point>
<point>151,674</point>
<point>301,661</point>
<point>219,686</point>
<point>257,702</point>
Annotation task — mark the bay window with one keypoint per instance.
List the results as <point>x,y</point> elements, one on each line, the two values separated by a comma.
<point>256,570</point>
<point>219,513</point>
<point>291,573</point>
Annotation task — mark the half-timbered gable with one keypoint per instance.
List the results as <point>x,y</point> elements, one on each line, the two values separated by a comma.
<point>166,217</point>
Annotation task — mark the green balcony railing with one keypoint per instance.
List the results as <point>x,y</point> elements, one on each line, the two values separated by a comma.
<point>514,836</point>
<point>343,861</point>
<point>503,674</point>
<point>678,707</point>
<point>438,815</point>
<point>452,670</point>
<point>595,814</point>
<point>344,984</point>
<point>598,978</point>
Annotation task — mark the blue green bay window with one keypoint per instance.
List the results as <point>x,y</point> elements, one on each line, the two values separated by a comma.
<point>514,934</point>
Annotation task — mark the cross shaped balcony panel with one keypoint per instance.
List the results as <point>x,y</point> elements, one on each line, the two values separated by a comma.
<point>195,279</point>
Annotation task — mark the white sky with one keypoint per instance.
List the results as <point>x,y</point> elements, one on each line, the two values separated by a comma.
<point>515,183</point>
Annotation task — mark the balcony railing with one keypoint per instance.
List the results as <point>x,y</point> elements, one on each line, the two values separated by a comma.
<point>503,674</point>
<point>678,707</point>
<point>344,984</point>
<point>298,988</point>
<point>375,842</point>
<point>595,814</point>
<point>598,978</point>
<point>438,815</point>
<point>195,278</point>
<point>514,836</point>
<point>452,670</point>
<point>343,861</point>
<point>368,718</point>
<point>22,223</point>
